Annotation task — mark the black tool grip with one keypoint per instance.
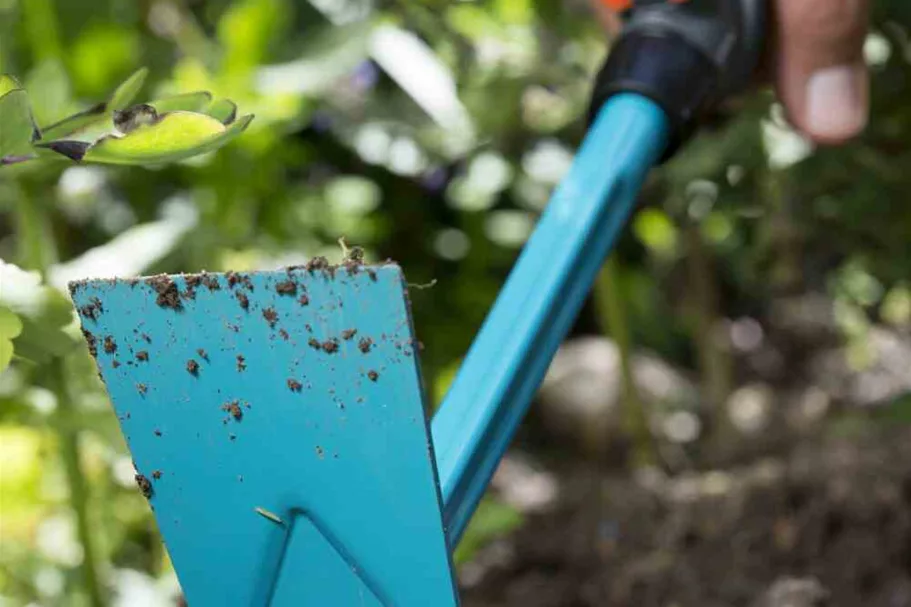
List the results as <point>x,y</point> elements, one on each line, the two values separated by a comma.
<point>685,56</point>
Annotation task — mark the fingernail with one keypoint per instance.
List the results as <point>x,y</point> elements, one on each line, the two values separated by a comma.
<point>837,102</point>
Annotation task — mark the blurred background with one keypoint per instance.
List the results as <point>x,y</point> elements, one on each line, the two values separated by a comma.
<point>727,425</point>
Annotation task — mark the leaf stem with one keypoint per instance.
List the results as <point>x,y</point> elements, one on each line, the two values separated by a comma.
<point>614,319</point>
<point>37,251</point>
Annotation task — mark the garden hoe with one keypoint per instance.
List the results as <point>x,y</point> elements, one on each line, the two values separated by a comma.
<point>276,419</point>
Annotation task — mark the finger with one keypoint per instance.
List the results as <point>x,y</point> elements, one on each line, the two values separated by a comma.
<point>820,71</point>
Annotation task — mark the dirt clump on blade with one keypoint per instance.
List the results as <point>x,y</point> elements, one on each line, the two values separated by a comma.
<point>168,295</point>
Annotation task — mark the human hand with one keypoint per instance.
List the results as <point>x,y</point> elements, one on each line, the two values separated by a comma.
<point>815,60</point>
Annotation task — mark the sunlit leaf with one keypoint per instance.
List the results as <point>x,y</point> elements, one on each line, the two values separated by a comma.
<point>10,328</point>
<point>176,136</point>
<point>656,231</point>
<point>896,306</point>
<point>17,129</point>
<point>7,84</point>
<point>10,325</point>
<point>187,102</point>
<point>127,91</point>
<point>245,30</point>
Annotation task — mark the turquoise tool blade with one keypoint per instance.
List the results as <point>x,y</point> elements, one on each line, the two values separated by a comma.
<point>277,426</point>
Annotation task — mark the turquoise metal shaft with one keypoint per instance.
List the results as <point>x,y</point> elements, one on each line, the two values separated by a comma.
<point>540,300</point>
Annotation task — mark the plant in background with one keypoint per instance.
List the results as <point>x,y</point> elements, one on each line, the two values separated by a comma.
<point>36,320</point>
<point>115,132</point>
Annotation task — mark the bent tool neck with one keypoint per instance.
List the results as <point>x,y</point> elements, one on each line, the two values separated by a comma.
<point>540,300</point>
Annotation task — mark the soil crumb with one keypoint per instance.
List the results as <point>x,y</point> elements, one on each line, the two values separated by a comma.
<point>210,282</point>
<point>271,316</point>
<point>348,334</point>
<point>243,300</point>
<point>145,485</point>
<point>286,287</point>
<point>193,367</point>
<point>294,385</point>
<point>233,408</point>
<point>373,375</point>
<point>168,296</point>
<point>365,344</point>
<point>192,281</point>
<point>109,345</point>
<point>92,309</point>
<point>317,263</point>
<point>91,342</point>
<point>235,279</point>
<point>355,261</point>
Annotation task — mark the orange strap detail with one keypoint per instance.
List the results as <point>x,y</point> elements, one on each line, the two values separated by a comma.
<point>622,5</point>
<point>617,5</point>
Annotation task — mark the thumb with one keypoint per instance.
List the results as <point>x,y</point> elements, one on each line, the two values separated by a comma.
<point>820,71</point>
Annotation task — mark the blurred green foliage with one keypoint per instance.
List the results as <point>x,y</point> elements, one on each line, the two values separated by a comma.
<point>117,131</point>
<point>426,131</point>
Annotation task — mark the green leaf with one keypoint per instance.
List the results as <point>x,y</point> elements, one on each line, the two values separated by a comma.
<point>87,126</point>
<point>6,353</point>
<point>176,136</point>
<point>41,342</point>
<point>223,110</point>
<point>656,231</point>
<point>187,102</point>
<point>125,93</point>
<point>96,122</point>
<point>10,328</point>
<point>49,91</point>
<point>7,84</point>
<point>492,520</point>
<point>43,313</point>
<point>17,128</point>
<point>10,325</point>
